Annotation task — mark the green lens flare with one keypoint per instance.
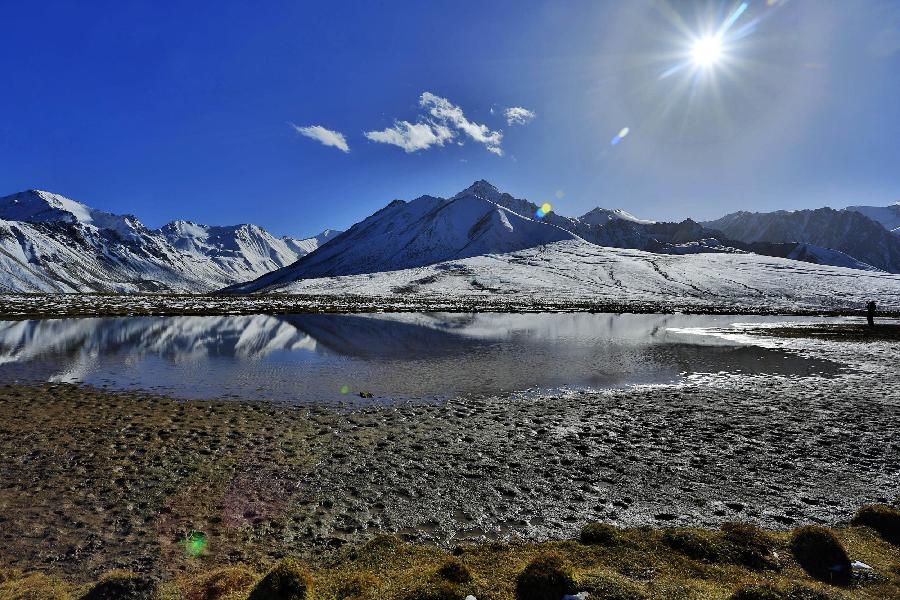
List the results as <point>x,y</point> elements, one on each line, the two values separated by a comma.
<point>194,544</point>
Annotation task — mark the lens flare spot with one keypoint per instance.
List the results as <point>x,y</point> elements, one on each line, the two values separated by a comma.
<point>619,136</point>
<point>345,389</point>
<point>194,544</point>
<point>546,207</point>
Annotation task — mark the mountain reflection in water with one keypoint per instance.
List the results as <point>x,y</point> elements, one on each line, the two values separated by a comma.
<point>310,357</point>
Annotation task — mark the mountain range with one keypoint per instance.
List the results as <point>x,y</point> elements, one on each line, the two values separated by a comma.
<point>49,243</point>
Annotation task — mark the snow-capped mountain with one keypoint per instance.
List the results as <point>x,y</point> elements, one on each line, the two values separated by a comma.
<point>50,243</point>
<point>307,245</point>
<point>602,216</point>
<point>888,216</point>
<point>239,250</point>
<point>845,231</point>
<point>416,233</point>
<point>481,220</point>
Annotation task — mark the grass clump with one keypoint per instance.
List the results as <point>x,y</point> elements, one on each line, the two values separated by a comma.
<point>606,585</point>
<point>693,545</point>
<point>436,590</point>
<point>547,577</point>
<point>454,571</point>
<point>122,585</point>
<point>220,583</point>
<point>598,534</point>
<point>288,580</point>
<point>14,585</point>
<point>769,591</point>
<point>358,586</point>
<point>821,554</point>
<point>883,519</point>
<point>749,546</point>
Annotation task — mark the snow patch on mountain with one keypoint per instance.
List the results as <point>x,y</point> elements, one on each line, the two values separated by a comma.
<point>826,256</point>
<point>307,245</point>
<point>888,216</point>
<point>602,216</point>
<point>576,270</point>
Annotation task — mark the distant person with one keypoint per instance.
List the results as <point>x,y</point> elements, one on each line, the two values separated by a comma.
<point>870,313</point>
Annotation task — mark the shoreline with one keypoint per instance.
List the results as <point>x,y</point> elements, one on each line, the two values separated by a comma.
<point>95,480</point>
<point>45,306</point>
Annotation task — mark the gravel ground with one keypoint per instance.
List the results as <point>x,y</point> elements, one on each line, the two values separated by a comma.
<point>33,306</point>
<point>92,480</point>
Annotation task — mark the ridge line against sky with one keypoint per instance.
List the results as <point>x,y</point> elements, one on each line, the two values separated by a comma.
<point>304,116</point>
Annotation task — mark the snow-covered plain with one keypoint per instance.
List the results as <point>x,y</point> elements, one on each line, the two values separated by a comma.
<point>575,270</point>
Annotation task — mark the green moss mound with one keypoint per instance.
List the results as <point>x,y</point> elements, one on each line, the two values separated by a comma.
<point>883,519</point>
<point>122,585</point>
<point>547,577</point>
<point>288,580</point>
<point>821,554</point>
<point>220,583</point>
<point>455,571</point>
<point>598,534</point>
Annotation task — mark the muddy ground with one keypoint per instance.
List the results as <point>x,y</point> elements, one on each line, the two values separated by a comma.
<point>92,480</point>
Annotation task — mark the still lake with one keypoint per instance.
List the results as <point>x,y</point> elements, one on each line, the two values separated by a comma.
<point>328,358</point>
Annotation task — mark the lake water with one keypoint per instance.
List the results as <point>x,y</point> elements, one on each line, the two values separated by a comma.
<point>318,358</point>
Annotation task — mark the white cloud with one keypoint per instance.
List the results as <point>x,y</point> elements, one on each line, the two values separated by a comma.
<point>412,136</point>
<point>325,136</point>
<point>517,115</point>
<point>446,113</point>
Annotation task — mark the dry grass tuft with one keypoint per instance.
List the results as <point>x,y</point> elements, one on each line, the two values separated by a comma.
<point>599,534</point>
<point>821,554</point>
<point>547,577</point>
<point>220,584</point>
<point>883,519</point>
<point>288,580</point>
<point>122,585</point>
<point>15,585</point>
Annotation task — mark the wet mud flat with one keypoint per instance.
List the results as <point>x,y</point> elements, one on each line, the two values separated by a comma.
<point>94,480</point>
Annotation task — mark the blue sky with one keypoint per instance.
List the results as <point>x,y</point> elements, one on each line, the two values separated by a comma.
<point>179,110</point>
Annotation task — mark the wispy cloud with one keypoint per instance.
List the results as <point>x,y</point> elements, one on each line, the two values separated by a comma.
<point>412,137</point>
<point>444,112</point>
<point>517,115</point>
<point>324,136</point>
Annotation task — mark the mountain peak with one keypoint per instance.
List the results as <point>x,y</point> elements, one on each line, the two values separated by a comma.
<point>483,189</point>
<point>602,216</point>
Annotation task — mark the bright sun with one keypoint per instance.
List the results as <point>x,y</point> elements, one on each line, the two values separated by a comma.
<point>707,51</point>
